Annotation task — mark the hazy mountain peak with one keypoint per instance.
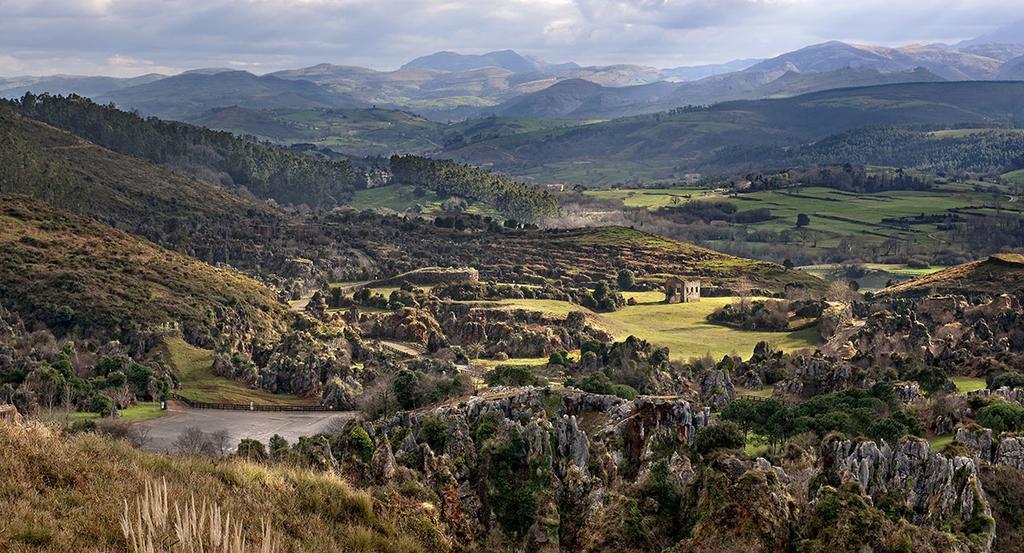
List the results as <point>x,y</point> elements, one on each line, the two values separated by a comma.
<point>1011,33</point>
<point>454,61</point>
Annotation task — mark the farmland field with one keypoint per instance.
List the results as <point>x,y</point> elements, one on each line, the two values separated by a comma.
<point>877,275</point>
<point>835,215</point>
<point>653,198</point>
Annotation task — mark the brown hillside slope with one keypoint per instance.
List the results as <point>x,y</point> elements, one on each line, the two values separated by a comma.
<point>76,274</point>
<point>999,274</point>
<point>180,213</point>
<point>65,494</point>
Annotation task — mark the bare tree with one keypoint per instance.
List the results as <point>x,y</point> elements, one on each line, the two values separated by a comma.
<point>220,442</point>
<point>193,441</point>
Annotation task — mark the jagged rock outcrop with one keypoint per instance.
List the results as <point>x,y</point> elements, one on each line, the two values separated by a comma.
<point>716,389</point>
<point>820,374</point>
<point>555,451</point>
<point>1010,451</point>
<point>933,489</point>
<point>977,440</point>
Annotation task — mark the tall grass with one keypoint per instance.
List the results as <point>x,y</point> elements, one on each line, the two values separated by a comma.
<point>152,526</point>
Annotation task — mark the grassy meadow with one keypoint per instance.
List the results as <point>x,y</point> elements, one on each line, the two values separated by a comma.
<point>194,367</point>
<point>401,197</point>
<point>682,327</point>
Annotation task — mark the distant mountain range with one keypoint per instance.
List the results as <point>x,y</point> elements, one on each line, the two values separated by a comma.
<point>452,86</point>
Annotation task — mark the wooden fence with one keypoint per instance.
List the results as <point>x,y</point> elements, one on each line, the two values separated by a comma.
<point>254,406</point>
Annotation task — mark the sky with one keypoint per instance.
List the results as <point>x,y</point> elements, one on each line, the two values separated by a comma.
<point>133,37</point>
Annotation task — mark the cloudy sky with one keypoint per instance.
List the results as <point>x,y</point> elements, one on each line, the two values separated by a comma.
<point>130,37</point>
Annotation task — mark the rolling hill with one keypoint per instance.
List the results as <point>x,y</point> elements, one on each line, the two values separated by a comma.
<point>16,87</point>
<point>659,145</point>
<point>999,274</point>
<point>195,92</point>
<point>75,274</point>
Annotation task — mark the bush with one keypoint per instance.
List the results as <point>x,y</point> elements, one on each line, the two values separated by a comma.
<point>101,404</point>
<point>361,443</point>
<point>252,450</point>
<point>724,435</point>
<point>434,431</point>
<point>599,383</point>
<point>1008,379</point>
<point>1001,416</point>
<point>513,375</point>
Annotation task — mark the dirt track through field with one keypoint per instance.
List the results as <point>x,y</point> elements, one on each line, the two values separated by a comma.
<point>239,424</point>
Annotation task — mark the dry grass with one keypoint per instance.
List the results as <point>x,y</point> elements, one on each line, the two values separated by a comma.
<point>67,493</point>
<point>152,526</point>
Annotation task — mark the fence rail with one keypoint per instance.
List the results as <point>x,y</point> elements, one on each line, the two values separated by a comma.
<point>253,406</point>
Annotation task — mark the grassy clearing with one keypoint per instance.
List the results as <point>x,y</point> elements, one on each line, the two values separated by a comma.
<point>757,445</point>
<point>400,197</point>
<point>194,368</point>
<point>519,361</point>
<point>765,392</point>
<point>66,493</point>
<point>938,443</point>
<point>653,198</point>
<point>684,329</point>
<point>142,411</point>
<point>966,384</point>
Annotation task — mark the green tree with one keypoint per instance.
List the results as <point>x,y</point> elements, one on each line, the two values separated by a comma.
<point>361,444</point>
<point>252,450</point>
<point>626,279</point>
<point>724,435</point>
<point>802,220</point>
<point>1001,416</point>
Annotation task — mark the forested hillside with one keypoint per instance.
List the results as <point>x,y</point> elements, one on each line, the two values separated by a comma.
<point>976,150</point>
<point>741,133</point>
<point>268,172</point>
<point>519,201</point>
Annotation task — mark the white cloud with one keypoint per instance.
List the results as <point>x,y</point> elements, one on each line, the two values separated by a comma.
<point>119,36</point>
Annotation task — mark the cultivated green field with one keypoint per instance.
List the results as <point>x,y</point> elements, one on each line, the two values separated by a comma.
<point>194,368</point>
<point>836,215</point>
<point>878,275</point>
<point>1015,177</point>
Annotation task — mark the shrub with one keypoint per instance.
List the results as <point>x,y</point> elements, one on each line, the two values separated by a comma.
<point>724,435</point>
<point>512,375</point>
<point>101,404</point>
<point>1001,416</point>
<point>361,443</point>
<point>434,431</point>
<point>252,450</point>
<point>599,383</point>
